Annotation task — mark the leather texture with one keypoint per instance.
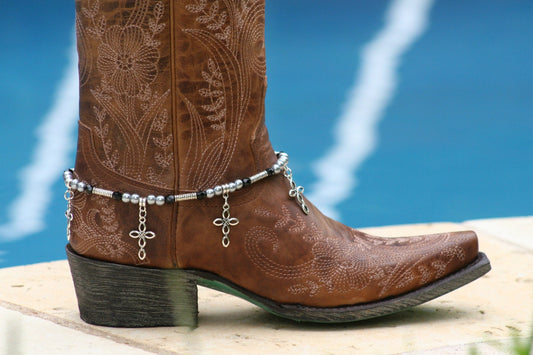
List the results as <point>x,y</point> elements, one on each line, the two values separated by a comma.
<point>172,101</point>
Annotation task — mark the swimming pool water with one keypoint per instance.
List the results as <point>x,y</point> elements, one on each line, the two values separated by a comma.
<point>454,140</point>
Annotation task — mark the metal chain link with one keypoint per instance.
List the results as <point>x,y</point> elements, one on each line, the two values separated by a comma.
<point>69,195</point>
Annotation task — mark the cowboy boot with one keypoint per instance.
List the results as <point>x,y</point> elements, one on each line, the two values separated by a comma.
<point>176,184</point>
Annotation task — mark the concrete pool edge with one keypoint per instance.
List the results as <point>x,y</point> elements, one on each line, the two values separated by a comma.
<point>38,311</point>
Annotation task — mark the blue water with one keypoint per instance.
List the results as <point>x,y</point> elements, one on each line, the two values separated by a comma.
<point>454,143</point>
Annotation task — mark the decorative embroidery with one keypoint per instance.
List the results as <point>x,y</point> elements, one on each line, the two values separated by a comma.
<point>127,60</point>
<point>130,116</point>
<point>98,228</point>
<point>230,31</point>
<point>338,264</point>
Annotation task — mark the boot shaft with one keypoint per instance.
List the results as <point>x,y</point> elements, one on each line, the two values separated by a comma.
<point>172,92</point>
<point>171,101</point>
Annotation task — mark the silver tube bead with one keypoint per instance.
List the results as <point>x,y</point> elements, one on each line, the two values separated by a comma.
<point>259,176</point>
<point>102,192</point>
<point>185,197</point>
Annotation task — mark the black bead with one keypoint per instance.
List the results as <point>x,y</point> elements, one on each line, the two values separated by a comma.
<point>200,195</point>
<point>246,182</point>
<point>89,189</point>
<point>170,199</point>
<point>71,171</point>
<point>270,171</point>
<point>117,196</point>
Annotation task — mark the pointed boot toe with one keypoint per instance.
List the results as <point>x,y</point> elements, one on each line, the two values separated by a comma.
<point>413,263</point>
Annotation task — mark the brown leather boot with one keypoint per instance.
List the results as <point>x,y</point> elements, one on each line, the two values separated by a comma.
<point>176,184</point>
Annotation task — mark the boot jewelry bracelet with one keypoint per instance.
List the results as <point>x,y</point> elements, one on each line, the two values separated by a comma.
<point>224,190</point>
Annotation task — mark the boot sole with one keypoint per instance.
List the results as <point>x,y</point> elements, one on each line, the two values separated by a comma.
<point>118,295</point>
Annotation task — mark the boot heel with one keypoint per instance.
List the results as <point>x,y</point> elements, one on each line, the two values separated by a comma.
<point>127,296</point>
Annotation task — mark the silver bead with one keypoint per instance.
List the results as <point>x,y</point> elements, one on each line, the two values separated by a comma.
<point>210,193</point>
<point>135,198</point>
<point>67,175</point>
<point>218,190</point>
<point>126,197</point>
<point>150,199</point>
<point>277,168</point>
<point>74,184</point>
<point>160,200</point>
<point>225,188</point>
<point>81,186</point>
<point>232,187</point>
<point>239,184</point>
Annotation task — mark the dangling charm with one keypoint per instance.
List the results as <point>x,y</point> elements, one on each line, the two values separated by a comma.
<point>296,191</point>
<point>141,233</point>
<point>225,222</point>
<point>69,195</point>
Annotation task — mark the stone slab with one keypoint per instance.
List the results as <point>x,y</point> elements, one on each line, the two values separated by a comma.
<point>487,310</point>
<point>25,334</point>
<point>516,230</point>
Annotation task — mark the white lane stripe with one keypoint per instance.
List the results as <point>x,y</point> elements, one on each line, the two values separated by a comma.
<point>355,133</point>
<point>55,141</point>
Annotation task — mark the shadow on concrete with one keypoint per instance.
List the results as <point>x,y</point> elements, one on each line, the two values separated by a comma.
<point>256,317</point>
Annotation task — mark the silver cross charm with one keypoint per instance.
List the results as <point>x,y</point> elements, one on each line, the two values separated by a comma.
<point>141,233</point>
<point>225,222</point>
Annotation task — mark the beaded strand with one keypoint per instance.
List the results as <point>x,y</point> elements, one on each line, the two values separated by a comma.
<point>225,222</point>
<point>160,200</point>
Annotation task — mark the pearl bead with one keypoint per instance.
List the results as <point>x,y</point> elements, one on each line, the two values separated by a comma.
<point>81,186</point>
<point>74,184</point>
<point>232,187</point>
<point>277,168</point>
<point>218,190</point>
<point>150,199</point>
<point>135,199</point>
<point>126,197</point>
<point>210,193</point>
<point>239,184</point>
<point>160,200</point>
